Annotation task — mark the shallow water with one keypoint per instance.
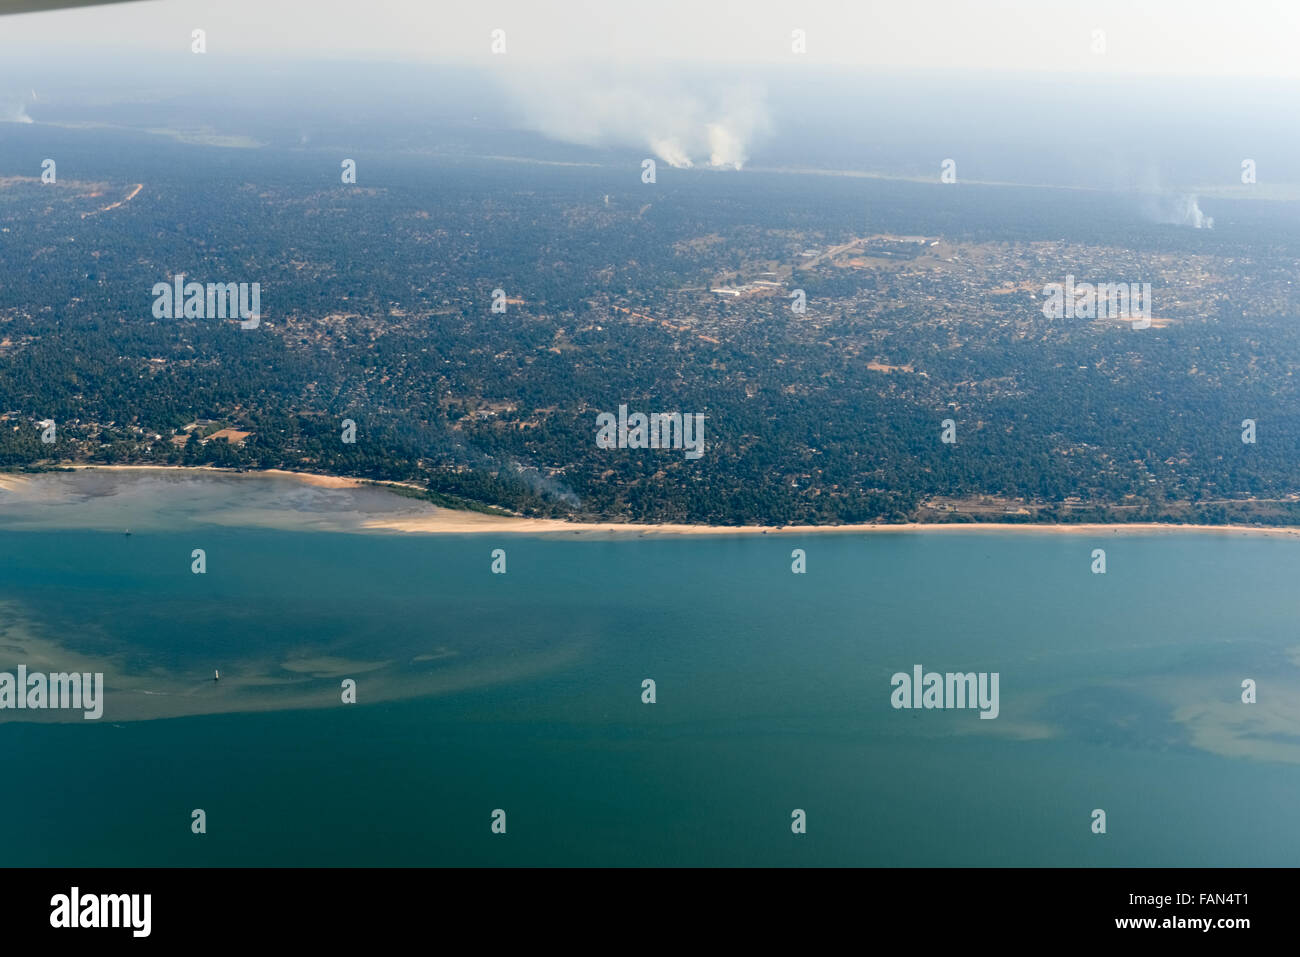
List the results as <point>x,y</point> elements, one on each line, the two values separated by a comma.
<point>523,692</point>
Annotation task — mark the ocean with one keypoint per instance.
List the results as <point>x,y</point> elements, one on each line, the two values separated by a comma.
<point>523,692</point>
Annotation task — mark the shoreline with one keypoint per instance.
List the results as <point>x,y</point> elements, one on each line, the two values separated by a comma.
<point>438,524</point>
<point>307,478</point>
<point>445,521</point>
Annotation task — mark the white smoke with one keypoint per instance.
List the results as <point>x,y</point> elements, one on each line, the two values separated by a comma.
<point>1177,209</point>
<point>1161,201</point>
<point>14,111</point>
<point>726,146</point>
<point>712,124</point>
<point>671,152</point>
<point>1187,212</point>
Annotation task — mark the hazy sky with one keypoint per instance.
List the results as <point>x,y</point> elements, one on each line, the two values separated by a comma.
<point>1198,37</point>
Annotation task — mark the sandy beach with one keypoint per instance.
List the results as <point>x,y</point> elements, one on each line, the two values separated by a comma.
<point>446,521</point>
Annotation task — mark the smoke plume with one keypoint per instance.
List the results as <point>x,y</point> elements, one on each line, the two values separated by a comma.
<point>14,111</point>
<point>1177,209</point>
<point>708,124</point>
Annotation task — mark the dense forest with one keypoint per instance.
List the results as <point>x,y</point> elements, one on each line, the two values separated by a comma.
<point>377,308</point>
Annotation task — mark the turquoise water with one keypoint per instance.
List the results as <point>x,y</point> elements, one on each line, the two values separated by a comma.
<point>523,692</point>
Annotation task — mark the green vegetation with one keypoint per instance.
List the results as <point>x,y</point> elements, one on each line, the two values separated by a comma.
<point>376,308</point>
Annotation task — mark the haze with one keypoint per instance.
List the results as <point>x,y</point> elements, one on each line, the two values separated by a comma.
<point>1171,37</point>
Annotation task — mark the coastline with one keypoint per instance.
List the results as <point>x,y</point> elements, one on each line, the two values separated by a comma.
<point>307,478</point>
<point>449,522</point>
<point>437,520</point>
